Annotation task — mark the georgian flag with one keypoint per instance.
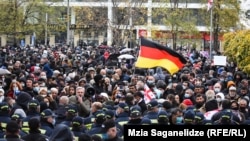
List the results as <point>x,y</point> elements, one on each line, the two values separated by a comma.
<point>208,115</point>
<point>209,4</point>
<point>148,94</point>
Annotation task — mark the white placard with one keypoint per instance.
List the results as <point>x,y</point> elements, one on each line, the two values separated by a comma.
<point>220,60</point>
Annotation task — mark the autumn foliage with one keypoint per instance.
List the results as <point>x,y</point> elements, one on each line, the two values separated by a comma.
<point>237,48</point>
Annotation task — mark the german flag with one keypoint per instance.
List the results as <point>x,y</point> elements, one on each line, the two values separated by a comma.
<point>155,55</point>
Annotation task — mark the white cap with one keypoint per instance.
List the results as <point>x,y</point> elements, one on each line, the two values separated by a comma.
<point>221,95</point>
<point>56,72</point>
<point>104,95</point>
<point>232,88</point>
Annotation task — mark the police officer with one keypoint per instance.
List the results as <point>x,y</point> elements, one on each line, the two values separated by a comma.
<point>122,114</point>
<point>188,118</point>
<point>95,108</point>
<point>12,131</point>
<point>110,115</point>
<point>70,114</point>
<point>47,121</point>
<point>152,112</point>
<point>4,115</point>
<point>110,131</point>
<point>77,127</point>
<point>18,118</point>
<point>135,117</point>
<point>163,118</point>
<point>199,118</point>
<point>33,111</point>
<point>226,118</point>
<point>96,128</point>
<point>35,132</point>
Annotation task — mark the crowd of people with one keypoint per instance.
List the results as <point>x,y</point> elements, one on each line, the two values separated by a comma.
<point>59,93</point>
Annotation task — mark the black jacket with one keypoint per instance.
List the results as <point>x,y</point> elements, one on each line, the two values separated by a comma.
<point>114,139</point>
<point>34,136</point>
<point>13,138</point>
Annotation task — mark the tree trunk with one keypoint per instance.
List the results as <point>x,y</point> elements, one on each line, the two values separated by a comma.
<point>216,31</point>
<point>216,38</point>
<point>174,36</point>
<point>15,24</point>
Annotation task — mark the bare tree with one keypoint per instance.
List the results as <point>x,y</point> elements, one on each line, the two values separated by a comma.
<point>126,14</point>
<point>177,17</point>
<point>20,17</point>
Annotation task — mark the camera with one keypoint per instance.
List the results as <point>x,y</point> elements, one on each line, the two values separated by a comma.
<point>89,90</point>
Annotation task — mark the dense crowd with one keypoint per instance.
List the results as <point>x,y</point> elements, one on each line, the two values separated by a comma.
<point>60,93</point>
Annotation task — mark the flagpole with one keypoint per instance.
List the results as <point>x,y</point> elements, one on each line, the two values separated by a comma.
<point>211,31</point>
<point>137,54</point>
<point>140,41</point>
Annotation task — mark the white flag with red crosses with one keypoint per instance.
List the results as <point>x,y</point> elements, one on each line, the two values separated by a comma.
<point>148,94</point>
<point>209,4</point>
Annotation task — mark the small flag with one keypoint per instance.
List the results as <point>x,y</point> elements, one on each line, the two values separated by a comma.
<point>155,55</point>
<point>209,4</point>
<point>106,55</point>
<point>148,94</point>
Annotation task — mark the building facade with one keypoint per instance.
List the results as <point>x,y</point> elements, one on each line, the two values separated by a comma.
<point>153,27</point>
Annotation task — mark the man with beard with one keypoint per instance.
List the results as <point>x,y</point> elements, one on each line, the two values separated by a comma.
<point>199,101</point>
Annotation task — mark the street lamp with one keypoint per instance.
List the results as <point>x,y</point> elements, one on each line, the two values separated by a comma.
<point>68,24</point>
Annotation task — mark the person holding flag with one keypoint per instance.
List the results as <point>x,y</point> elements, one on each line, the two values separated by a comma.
<point>148,95</point>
